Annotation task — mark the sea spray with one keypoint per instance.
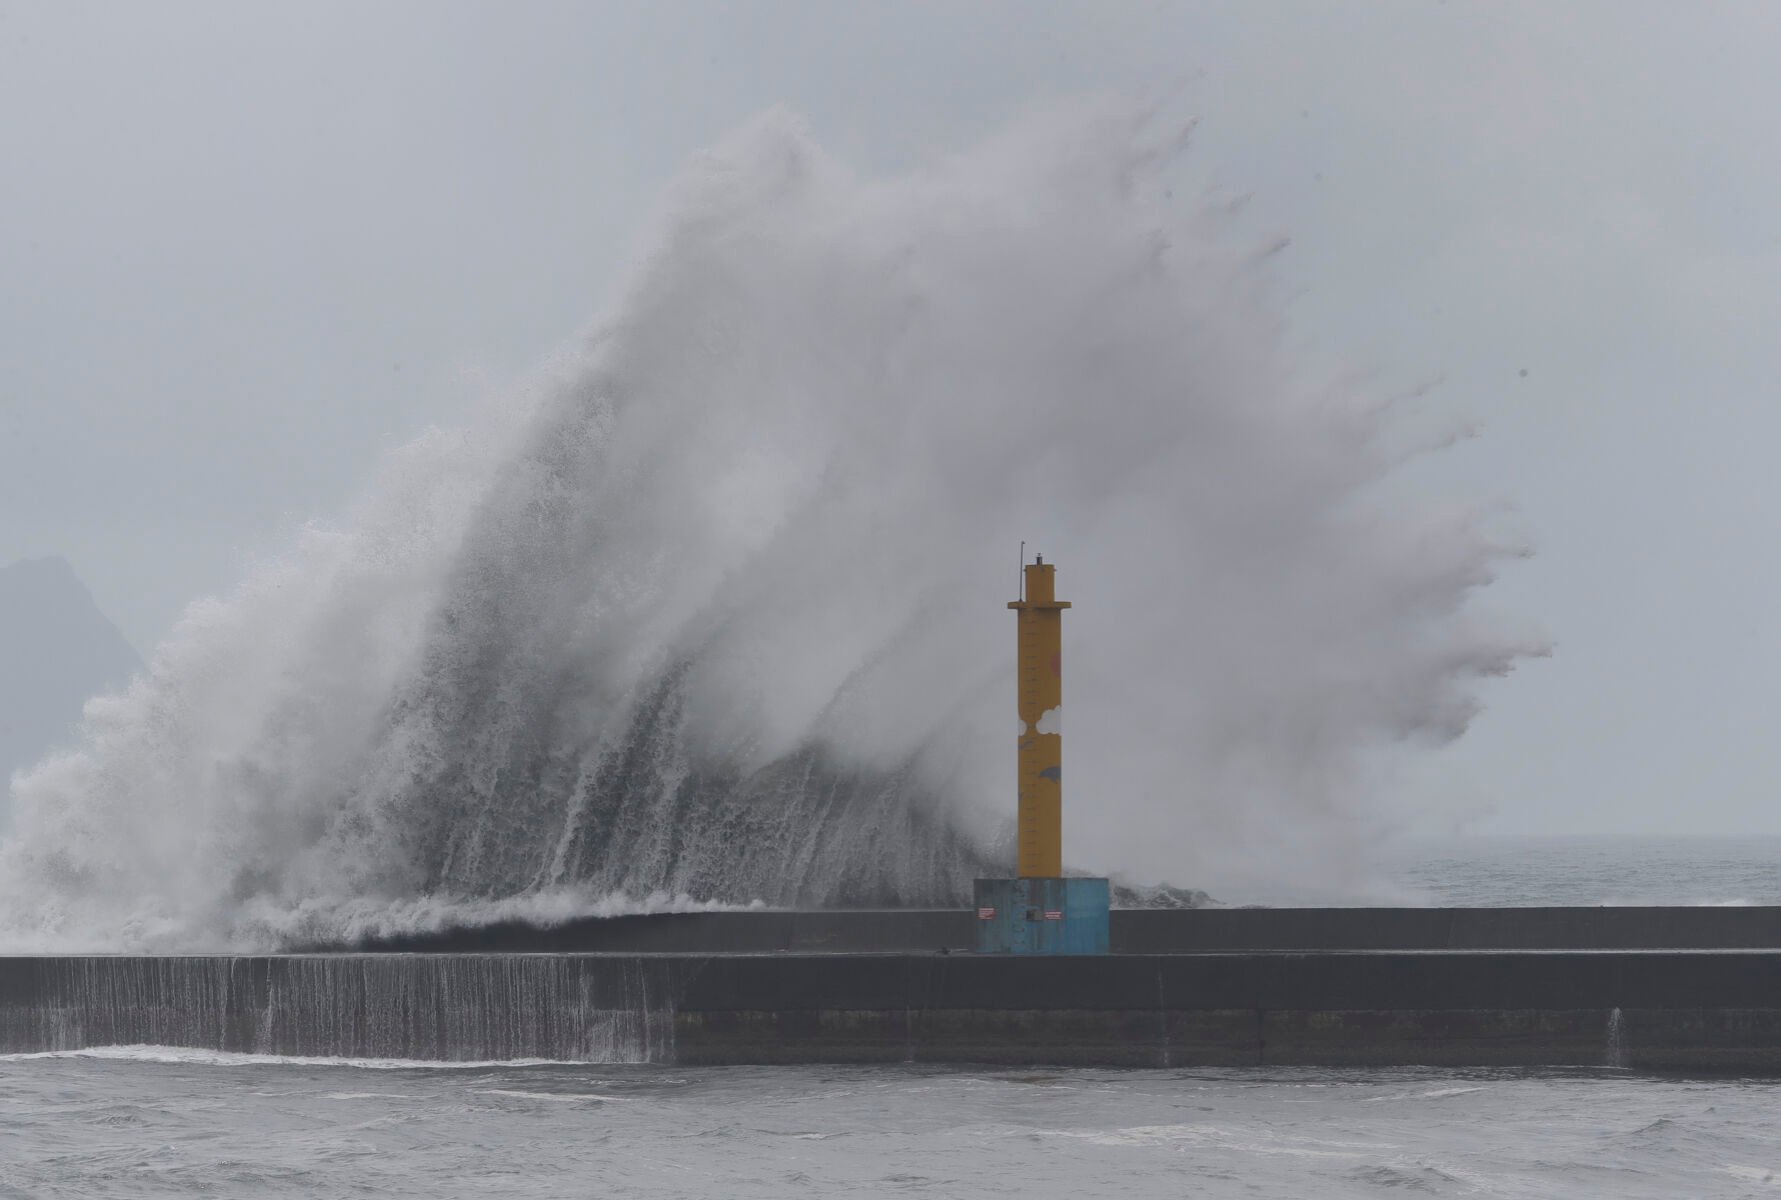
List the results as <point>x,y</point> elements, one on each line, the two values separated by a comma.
<point>713,609</point>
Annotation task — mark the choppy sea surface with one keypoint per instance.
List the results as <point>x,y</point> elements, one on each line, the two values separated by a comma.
<point>1588,870</point>
<point>1518,871</point>
<point>148,1121</point>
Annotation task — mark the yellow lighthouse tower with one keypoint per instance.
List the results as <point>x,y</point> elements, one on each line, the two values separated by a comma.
<point>1039,667</point>
<point>1040,911</point>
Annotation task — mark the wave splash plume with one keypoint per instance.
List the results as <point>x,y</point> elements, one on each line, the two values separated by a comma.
<point>711,612</point>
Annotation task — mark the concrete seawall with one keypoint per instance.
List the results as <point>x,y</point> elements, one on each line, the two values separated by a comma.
<point>1134,931</point>
<point>1661,1010</point>
<point>1700,1010</point>
<point>434,1007</point>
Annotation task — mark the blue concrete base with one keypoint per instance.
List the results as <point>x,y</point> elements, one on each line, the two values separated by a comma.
<point>1042,916</point>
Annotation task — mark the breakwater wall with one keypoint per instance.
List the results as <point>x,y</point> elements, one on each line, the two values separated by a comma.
<point>435,1007</point>
<point>1134,931</point>
<point>1685,1010</point>
<point>1700,1010</point>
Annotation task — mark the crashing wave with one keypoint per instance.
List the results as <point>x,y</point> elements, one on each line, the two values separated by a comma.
<point>713,609</point>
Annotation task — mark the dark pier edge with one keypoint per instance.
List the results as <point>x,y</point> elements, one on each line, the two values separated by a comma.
<point>1134,931</point>
<point>1683,1011</point>
<point>1657,989</point>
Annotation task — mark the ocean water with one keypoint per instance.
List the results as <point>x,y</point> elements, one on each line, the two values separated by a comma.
<point>148,1122</point>
<point>1628,870</point>
<point>165,1121</point>
<point>1512,871</point>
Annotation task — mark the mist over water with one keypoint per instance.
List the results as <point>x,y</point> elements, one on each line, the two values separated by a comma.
<point>712,610</point>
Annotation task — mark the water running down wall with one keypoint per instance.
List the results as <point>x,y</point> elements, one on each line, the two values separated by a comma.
<point>474,1008</point>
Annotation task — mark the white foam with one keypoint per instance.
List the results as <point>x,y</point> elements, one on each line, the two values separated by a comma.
<point>1229,1138</point>
<point>562,1097</point>
<point>1763,1175</point>
<point>1436,1094</point>
<point>191,1056</point>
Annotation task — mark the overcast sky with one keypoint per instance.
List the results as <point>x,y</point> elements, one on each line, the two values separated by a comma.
<point>245,248</point>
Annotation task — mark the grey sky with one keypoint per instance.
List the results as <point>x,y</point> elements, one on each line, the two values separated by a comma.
<point>245,248</point>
